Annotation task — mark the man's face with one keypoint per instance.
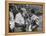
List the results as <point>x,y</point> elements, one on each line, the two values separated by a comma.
<point>24,10</point>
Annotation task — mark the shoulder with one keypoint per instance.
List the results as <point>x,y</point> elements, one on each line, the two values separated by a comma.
<point>11,13</point>
<point>34,17</point>
<point>19,14</point>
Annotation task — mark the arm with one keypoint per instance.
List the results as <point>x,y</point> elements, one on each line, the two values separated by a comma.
<point>35,24</point>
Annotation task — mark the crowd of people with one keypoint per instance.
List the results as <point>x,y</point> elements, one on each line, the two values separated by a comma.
<point>22,20</point>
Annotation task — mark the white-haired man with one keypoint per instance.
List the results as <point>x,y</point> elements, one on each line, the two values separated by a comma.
<point>19,20</point>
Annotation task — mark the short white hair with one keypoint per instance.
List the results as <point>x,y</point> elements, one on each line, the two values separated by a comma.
<point>24,10</point>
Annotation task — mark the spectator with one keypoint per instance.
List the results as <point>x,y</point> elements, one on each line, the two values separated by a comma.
<point>35,20</point>
<point>12,25</point>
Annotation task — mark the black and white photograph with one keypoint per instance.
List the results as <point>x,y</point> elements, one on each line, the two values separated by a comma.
<point>25,17</point>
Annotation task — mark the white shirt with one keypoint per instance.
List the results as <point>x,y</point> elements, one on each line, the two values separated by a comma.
<point>11,21</point>
<point>19,19</point>
<point>36,18</point>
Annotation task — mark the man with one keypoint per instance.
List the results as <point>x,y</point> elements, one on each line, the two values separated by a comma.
<point>34,20</point>
<point>13,11</point>
<point>27,20</point>
<point>12,24</point>
<point>19,20</point>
